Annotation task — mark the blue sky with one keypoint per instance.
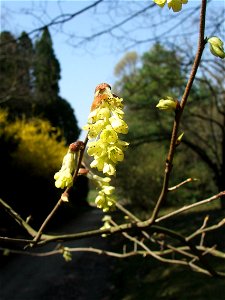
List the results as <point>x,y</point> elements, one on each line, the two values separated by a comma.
<point>81,68</point>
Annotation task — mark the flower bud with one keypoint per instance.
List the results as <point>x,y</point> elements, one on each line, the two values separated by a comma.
<point>179,139</point>
<point>216,47</point>
<point>168,104</point>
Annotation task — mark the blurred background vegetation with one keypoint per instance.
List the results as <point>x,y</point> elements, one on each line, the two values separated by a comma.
<point>142,81</point>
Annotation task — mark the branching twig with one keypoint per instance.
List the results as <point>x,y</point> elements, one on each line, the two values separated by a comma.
<point>60,201</point>
<point>181,183</point>
<point>169,161</point>
<point>189,207</point>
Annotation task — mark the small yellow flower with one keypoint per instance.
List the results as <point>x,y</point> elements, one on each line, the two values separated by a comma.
<point>109,135</point>
<point>119,125</point>
<point>115,154</point>
<point>109,168</point>
<point>63,179</point>
<point>216,47</point>
<point>106,203</point>
<point>160,3</point>
<point>176,5</point>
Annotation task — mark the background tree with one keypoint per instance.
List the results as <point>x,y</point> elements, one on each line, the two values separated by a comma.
<point>8,66</point>
<point>46,69</point>
<point>49,104</point>
<point>16,74</point>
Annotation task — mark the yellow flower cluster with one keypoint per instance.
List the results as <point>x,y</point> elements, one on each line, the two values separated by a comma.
<point>176,5</point>
<point>105,123</point>
<point>105,199</point>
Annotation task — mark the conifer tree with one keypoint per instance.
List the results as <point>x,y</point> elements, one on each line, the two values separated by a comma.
<point>8,66</point>
<point>46,69</point>
<point>25,64</point>
<point>49,104</point>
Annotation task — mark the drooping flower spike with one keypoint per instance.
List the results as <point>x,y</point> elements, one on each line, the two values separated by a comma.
<point>105,124</point>
<point>105,199</point>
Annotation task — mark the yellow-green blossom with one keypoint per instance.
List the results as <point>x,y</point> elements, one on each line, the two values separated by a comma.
<point>105,124</point>
<point>105,199</point>
<point>106,219</point>
<point>168,104</point>
<point>66,254</point>
<point>64,177</point>
<point>104,202</point>
<point>216,47</point>
<point>176,5</point>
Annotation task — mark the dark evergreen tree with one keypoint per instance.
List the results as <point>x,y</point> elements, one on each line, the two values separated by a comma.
<point>46,69</point>
<point>8,66</point>
<point>25,65</point>
<point>49,104</point>
<point>61,115</point>
<point>16,81</point>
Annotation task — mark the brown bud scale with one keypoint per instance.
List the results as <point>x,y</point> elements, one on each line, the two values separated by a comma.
<point>76,146</point>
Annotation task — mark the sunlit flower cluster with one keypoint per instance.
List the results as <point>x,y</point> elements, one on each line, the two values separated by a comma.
<point>64,177</point>
<point>105,123</point>
<point>176,5</point>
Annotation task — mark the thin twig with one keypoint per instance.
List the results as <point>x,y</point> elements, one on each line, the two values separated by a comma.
<point>189,207</point>
<point>181,183</point>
